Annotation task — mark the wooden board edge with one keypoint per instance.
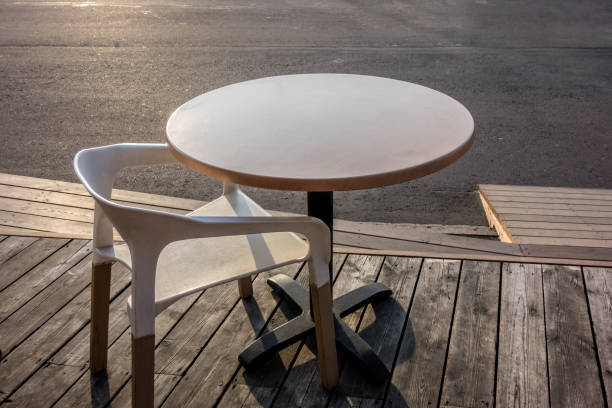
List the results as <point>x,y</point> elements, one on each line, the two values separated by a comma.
<point>473,257</point>
<point>546,189</point>
<point>378,228</point>
<point>494,219</point>
<point>25,232</point>
<point>77,189</point>
<point>10,231</point>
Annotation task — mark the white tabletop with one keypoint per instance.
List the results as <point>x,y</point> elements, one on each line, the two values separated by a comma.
<point>320,132</point>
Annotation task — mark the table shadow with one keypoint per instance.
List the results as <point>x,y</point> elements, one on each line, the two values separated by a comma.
<point>265,381</point>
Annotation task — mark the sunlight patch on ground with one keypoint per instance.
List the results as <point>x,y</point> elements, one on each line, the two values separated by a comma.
<point>72,4</point>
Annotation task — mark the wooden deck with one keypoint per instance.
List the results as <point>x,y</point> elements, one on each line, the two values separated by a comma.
<point>456,333</point>
<point>49,208</point>
<point>579,217</point>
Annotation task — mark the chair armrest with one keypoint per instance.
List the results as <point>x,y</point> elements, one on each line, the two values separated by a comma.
<point>150,231</point>
<point>315,230</point>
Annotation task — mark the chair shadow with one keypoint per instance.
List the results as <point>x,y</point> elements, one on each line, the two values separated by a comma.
<point>99,389</point>
<point>265,380</point>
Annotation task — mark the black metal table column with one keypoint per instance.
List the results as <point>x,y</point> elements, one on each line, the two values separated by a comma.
<point>320,205</point>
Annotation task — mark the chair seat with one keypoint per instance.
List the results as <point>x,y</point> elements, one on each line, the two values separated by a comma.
<point>191,265</point>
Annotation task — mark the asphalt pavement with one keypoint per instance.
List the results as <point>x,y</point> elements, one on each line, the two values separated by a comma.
<point>537,77</point>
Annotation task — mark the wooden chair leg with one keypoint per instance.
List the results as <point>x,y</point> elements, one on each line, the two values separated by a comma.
<point>143,365</point>
<point>245,287</point>
<point>326,339</point>
<point>100,297</point>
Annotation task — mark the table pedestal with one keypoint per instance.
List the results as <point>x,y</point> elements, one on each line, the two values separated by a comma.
<point>320,205</point>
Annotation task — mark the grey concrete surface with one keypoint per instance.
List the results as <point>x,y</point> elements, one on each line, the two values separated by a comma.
<point>536,76</point>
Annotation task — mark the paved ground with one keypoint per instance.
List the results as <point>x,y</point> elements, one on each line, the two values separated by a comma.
<point>537,77</point>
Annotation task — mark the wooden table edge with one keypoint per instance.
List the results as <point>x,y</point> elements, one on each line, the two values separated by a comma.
<point>314,185</point>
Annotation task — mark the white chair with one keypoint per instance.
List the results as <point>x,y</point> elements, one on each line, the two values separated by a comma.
<point>172,255</point>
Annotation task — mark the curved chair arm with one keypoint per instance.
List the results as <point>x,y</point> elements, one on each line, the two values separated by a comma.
<point>97,168</point>
<point>154,230</point>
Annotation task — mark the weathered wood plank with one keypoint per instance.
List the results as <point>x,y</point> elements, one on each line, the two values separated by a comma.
<point>45,304</point>
<point>539,189</point>
<point>405,229</point>
<point>37,222</point>
<point>494,219</point>
<point>48,201</point>
<point>30,394</point>
<point>503,249</point>
<point>181,346</point>
<point>563,226</point>
<point>528,196</point>
<point>417,376</point>
<point>561,199</point>
<point>555,206</point>
<point>579,242</point>
<point>50,197</point>
<point>35,350</point>
<point>591,214</point>
<point>30,233</point>
<point>374,242</point>
<point>205,380</point>
<point>582,256</point>
<point>28,258</point>
<point>78,189</point>
<point>11,246</point>
<point>303,388</point>
<point>522,380</point>
<point>47,210</point>
<point>476,245</point>
<point>76,351</point>
<point>382,328</point>
<point>562,233</point>
<point>29,285</point>
<point>555,218</point>
<point>473,338</point>
<point>567,252</point>
<point>42,184</point>
<point>599,291</point>
<point>56,226</point>
<point>258,386</point>
<point>98,390</point>
<point>572,366</point>
<point>69,363</point>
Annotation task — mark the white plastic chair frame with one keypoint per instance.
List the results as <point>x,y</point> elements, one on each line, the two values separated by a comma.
<point>148,232</point>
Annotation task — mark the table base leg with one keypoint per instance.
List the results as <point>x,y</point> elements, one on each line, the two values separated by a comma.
<point>303,325</point>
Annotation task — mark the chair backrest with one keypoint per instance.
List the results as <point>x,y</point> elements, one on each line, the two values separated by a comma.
<point>97,168</point>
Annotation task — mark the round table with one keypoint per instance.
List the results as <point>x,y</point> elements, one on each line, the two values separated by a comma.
<point>321,133</point>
